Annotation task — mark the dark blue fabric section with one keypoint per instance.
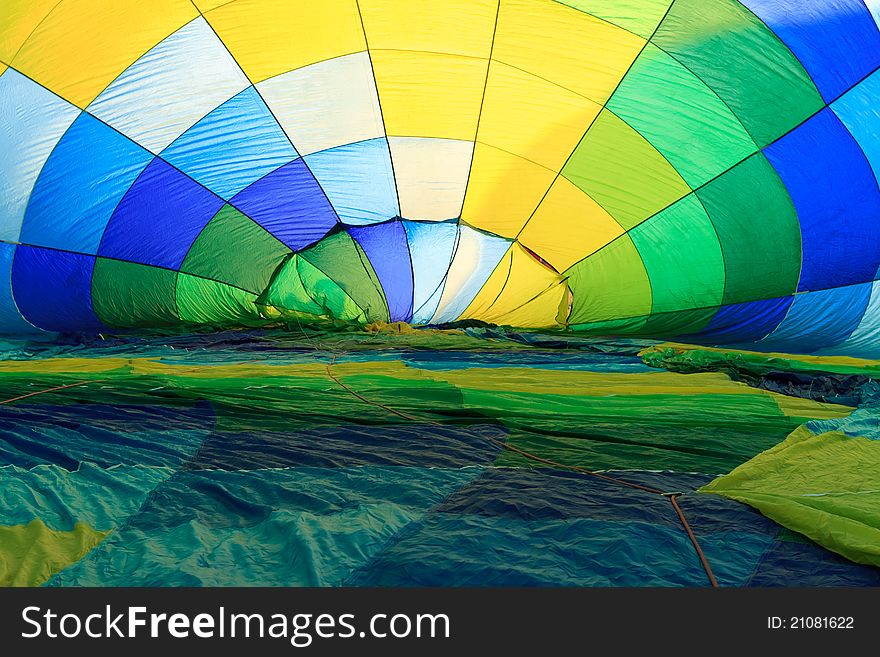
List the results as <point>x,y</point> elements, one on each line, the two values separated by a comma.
<point>803,563</point>
<point>542,494</point>
<point>53,289</point>
<point>837,200</point>
<point>289,204</point>
<point>430,446</point>
<point>743,322</point>
<point>837,41</point>
<point>388,250</point>
<point>159,218</point>
<point>542,527</point>
<point>85,177</point>
<point>35,434</point>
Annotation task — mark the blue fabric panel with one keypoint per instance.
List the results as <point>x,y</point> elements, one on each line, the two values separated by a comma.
<point>820,319</point>
<point>83,180</point>
<point>359,180</point>
<point>11,320</point>
<point>233,146</point>
<point>101,497</point>
<point>743,322</point>
<point>836,40</point>
<point>800,560</point>
<point>159,218</point>
<point>289,204</point>
<point>386,247</point>
<point>276,527</point>
<point>432,245</point>
<point>68,435</point>
<point>351,445</point>
<point>859,111</point>
<point>837,200</point>
<point>53,289</point>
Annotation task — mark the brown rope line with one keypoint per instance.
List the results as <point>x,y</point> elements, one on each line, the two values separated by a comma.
<point>654,491</point>
<point>40,392</point>
<point>690,533</point>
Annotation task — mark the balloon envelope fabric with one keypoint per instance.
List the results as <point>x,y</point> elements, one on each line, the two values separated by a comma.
<point>690,167</point>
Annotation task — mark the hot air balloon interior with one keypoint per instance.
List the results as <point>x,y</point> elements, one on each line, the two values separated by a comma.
<point>460,293</point>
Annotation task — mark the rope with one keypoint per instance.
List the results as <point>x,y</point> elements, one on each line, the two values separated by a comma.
<point>690,533</point>
<point>647,489</point>
<point>40,392</point>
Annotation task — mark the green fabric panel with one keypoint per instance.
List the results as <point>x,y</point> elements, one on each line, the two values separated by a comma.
<point>637,16</point>
<point>352,271</point>
<point>300,288</point>
<point>759,231</point>
<point>678,323</point>
<point>208,302</point>
<point>680,251</point>
<point>823,486</point>
<point>745,365</point>
<point>744,62</point>
<point>623,172</point>
<point>611,327</point>
<point>681,117</point>
<point>30,554</point>
<point>709,433</point>
<point>128,294</point>
<point>610,284</point>
<point>234,249</point>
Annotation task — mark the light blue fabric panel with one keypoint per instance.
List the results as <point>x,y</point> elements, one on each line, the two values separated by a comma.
<point>864,342</point>
<point>235,145</point>
<point>359,181</point>
<point>32,120</point>
<point>859,111</point>
<point>820,319</point>
<point>432,246</point>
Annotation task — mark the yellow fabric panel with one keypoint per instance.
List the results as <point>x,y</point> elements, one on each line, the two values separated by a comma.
<point>598,384</point>
<point>18,18</point>
<point>3,68</point>
<point>461,27</point>
<point>503,190</point>
<point>573,49</point>
<point>548,309</point>
<point>208,5</point>
<point>533,118</point>
<point>808,409</point>
<point>30,554</point>
<point>270,37</point>
<point>83,46</point>
<point>517,279</point>
<point>568,226</point>
<point>429,95</point>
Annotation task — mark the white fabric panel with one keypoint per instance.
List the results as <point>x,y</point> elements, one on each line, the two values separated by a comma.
<point>431,176</point>
<point>327,104</point>
<point>32,120</point>
<point>171,87</point>
<point>476,257</point>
